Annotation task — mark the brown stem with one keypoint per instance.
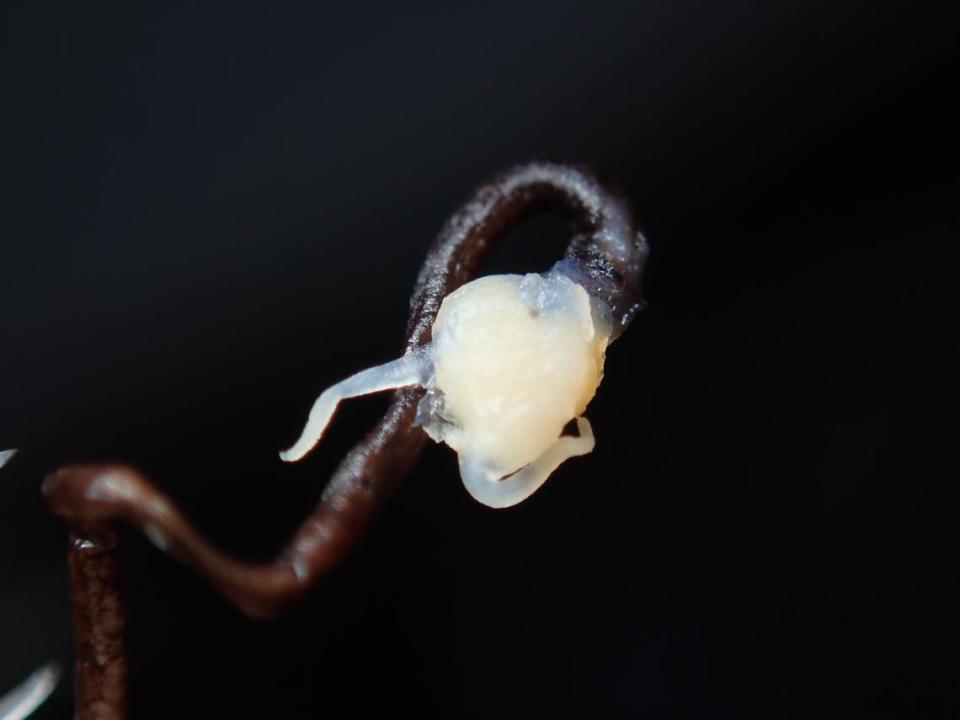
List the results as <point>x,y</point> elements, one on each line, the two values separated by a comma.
<point>99,622</point>
<point>606,255</point>
<point>97,495</point>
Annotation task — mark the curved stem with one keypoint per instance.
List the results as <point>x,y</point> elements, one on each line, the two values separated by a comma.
<point>606,255</point>
<point>98,495</point>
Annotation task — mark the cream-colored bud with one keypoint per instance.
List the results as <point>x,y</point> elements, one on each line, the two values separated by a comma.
<point>513,359</point>
<point>516,357</point>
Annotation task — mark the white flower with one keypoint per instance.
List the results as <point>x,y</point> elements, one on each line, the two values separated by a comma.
<point>513,359</point>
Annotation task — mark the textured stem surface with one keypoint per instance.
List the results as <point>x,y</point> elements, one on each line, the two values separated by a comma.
<point>99,623</point>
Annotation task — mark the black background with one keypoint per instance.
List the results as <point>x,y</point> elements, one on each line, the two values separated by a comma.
<point>210,212</point>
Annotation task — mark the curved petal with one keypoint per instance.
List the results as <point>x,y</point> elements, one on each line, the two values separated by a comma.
<point>496,492</point>
<point>414,368</point>
<point>5,456</point>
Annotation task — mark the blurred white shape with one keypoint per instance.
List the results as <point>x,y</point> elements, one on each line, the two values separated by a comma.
<point>5,456</point>
<point>26,697</point>
<point>20,702</point>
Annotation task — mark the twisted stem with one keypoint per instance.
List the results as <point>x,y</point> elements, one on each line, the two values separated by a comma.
<point>606,255</point>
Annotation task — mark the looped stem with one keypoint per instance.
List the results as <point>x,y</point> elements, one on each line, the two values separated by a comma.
<point>606,255</point>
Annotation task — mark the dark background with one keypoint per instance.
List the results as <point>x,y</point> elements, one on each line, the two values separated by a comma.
<point>211,212</point>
